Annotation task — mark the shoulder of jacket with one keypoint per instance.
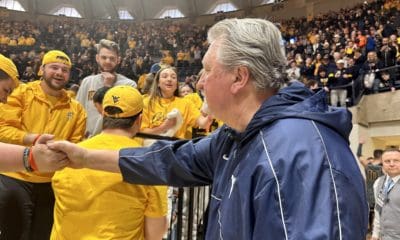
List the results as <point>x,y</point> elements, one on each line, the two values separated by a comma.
<point>27,87</point>
<point>76,103</point>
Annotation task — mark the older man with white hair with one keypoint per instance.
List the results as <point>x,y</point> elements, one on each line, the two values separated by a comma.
<point>281,167</point>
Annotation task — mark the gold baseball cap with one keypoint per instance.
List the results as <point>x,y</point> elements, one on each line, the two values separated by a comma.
<point>9,68</point>
<point>55,56</point>
<point>126,98</point>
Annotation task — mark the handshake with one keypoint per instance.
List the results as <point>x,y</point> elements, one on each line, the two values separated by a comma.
<point>48,155</point>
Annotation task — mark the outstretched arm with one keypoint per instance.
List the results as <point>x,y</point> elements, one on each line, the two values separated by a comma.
<point>180,163</point>
<point>44,159</point>
<point>12,157</point>
<point>106,160</point>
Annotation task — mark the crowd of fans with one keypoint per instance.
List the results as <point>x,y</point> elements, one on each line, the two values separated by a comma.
<point>334,50</point>
<point>141,45</point>
<point>340,49</point>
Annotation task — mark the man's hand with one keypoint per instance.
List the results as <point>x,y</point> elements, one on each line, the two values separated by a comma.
<point>108,79</point>
<point>46,159</point>
<point>75,154</point>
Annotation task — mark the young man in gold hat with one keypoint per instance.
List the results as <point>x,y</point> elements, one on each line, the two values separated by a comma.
<point>99,205</point>
<point>26,198</point>
<point>13,155</point>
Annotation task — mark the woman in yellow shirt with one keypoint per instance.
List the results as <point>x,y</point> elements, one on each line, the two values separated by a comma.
<point>162,99</point>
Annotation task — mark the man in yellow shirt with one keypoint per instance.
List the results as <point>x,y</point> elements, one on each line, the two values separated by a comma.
<point>26,198</point>
<point>94,204</point>
<point>14,156</point>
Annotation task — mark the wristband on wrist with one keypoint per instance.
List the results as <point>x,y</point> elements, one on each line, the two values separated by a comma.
<point>35,140</point>
<point>25,159</point>
<point>31,160</point>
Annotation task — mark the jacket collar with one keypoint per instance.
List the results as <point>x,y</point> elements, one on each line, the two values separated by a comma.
<point>39,94</point>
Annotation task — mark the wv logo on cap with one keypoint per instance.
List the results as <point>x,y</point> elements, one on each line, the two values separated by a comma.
<point>115,99</point>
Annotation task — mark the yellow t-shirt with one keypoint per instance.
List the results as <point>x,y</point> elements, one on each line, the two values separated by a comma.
<point>13,43</point>
<point>30,41</point>
<point>195,99</point>
<point>132,44</point>
<point>4,40</point>
<point>21,41</point>
<point>154,116</point>
<point>141,81</point>
<point>168,60</point>
<point>85,43</point>
<point>93,204</point>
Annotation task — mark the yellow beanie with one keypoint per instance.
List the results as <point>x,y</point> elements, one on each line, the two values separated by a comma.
<point>9,67</point>
<point>55,56</point>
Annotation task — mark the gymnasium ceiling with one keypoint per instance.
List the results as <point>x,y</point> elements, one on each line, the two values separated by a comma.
<point>139,9</point>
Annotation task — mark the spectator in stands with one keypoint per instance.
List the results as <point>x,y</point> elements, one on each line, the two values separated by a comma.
<point>108,59</point>
<point>149,78</point>
<point>323,79</point>
<point>163,98</point>
<point>387,82</point>
<point>185,89</point>
<point>361,39</point>
<point>28,75</point>
<point>338,84</point>
<point>387,195</point>
<point>371,77</point>
<point>350,47</point>
<point>86,204</point>
<point>371,43</point>
<point>327,64</point>
<point>308,69</point>
<point>26,198</point>
<point>387,55</point>
<point>268,183</point>
<point>317,46</point>
<point>73,90</point>
<point>373,170</point>
<point>312,85</point>
<point>167,59</point>
<point>293,72</point>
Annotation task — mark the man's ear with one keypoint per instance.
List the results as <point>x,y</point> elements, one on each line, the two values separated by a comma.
<point>242,78</point>
<point>97,58</point>
<point>138,122</point>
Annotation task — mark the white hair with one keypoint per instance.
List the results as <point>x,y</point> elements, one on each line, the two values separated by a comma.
<point>254,43</point>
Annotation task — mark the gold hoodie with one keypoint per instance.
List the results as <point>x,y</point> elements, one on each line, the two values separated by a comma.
<point>29,110</point>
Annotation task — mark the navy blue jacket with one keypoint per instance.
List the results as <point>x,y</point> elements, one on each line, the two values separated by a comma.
<point>289,175</point>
